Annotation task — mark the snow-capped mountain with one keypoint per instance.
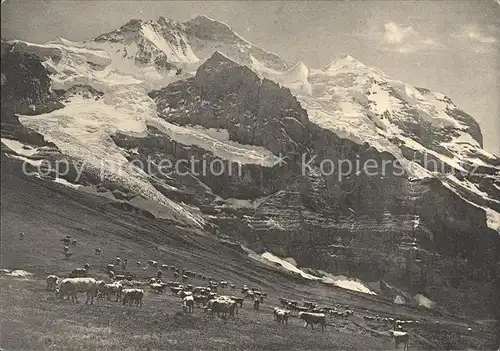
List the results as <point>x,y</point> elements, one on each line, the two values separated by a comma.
<point>155,90</point>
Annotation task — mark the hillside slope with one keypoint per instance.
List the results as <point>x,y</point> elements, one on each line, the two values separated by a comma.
<point>56,210</point>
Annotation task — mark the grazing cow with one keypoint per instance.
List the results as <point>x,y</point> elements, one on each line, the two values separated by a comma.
<point>211,295</point>
<point>310,305</point>
<point>184,278</point>
<point>74,242</point>
<point>66,240</point>
<point>21,236</point>
<point>281,316</point>
<point>133,295</point>
<point>200,290</point>
<point>158,287</point>
<point>222,306</point>
<point>313,318</point>
<point>256,303</point>
<point>70,287</point>
<point>182,294</point>
<point>100,288</point>
<point>52,282</point>
<point>233,287</point>
<point>284,302</point>
<point>176,289</point>
<point>98,251</point>
<point>66,249</point>
<point>138,263</point>
<point>164,266</point>
<point>275,311</point>
<point>400,337</point>
<point>110,267</point>
<point>79,273</point>
<point>120,277</point>
<point>189,302</point>
<point>111,275</point>
<point>238,300</point>
<point>114,288</point>
<point>200,300</point>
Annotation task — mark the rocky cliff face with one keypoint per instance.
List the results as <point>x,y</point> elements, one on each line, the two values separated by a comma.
<point>26,89</point>
<point>374,227</point>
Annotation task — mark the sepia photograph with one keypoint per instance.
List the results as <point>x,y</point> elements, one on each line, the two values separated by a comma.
<point>250,175</point>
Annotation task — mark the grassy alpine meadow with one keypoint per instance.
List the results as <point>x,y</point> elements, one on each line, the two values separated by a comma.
<point>34,320</point>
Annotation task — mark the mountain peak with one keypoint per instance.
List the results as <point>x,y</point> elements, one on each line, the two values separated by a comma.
<point>163,21</point>
<point>298,73</point>
<point>205,27</point>
<point>219,59</point>
<point>343,61</point>
<point>205,19</point>
<point>299,66</point>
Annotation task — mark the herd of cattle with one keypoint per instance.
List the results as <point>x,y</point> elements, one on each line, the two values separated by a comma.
<point>128,290</point>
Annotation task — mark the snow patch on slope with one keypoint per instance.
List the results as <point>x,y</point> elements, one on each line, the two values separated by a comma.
<point>340,281</point>
<point>18,147</point>
<point>174,52</point>
<point>288,266</point>
<point>82,130</point>
<point>217,142</point>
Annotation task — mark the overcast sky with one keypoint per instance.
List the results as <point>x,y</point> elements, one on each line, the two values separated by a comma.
<point>447,46</point>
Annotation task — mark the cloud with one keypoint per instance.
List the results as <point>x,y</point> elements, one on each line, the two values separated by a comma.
<point>394,33</point>
<point>474,33</point>
<point>400,38</point>
<point>480,40</point>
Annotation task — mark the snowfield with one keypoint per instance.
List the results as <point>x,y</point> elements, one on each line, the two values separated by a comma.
<point>340,281</point>
<point>173,52</point>
<point>18,147</point>
<point>82,129</point>
<point>217,142</point>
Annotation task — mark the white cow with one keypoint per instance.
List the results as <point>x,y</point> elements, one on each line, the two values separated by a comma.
<point>313,318</point>
<point>400,338</point>
<point>188,301</point>
<point>70,287</point>
<point>131,296</point>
